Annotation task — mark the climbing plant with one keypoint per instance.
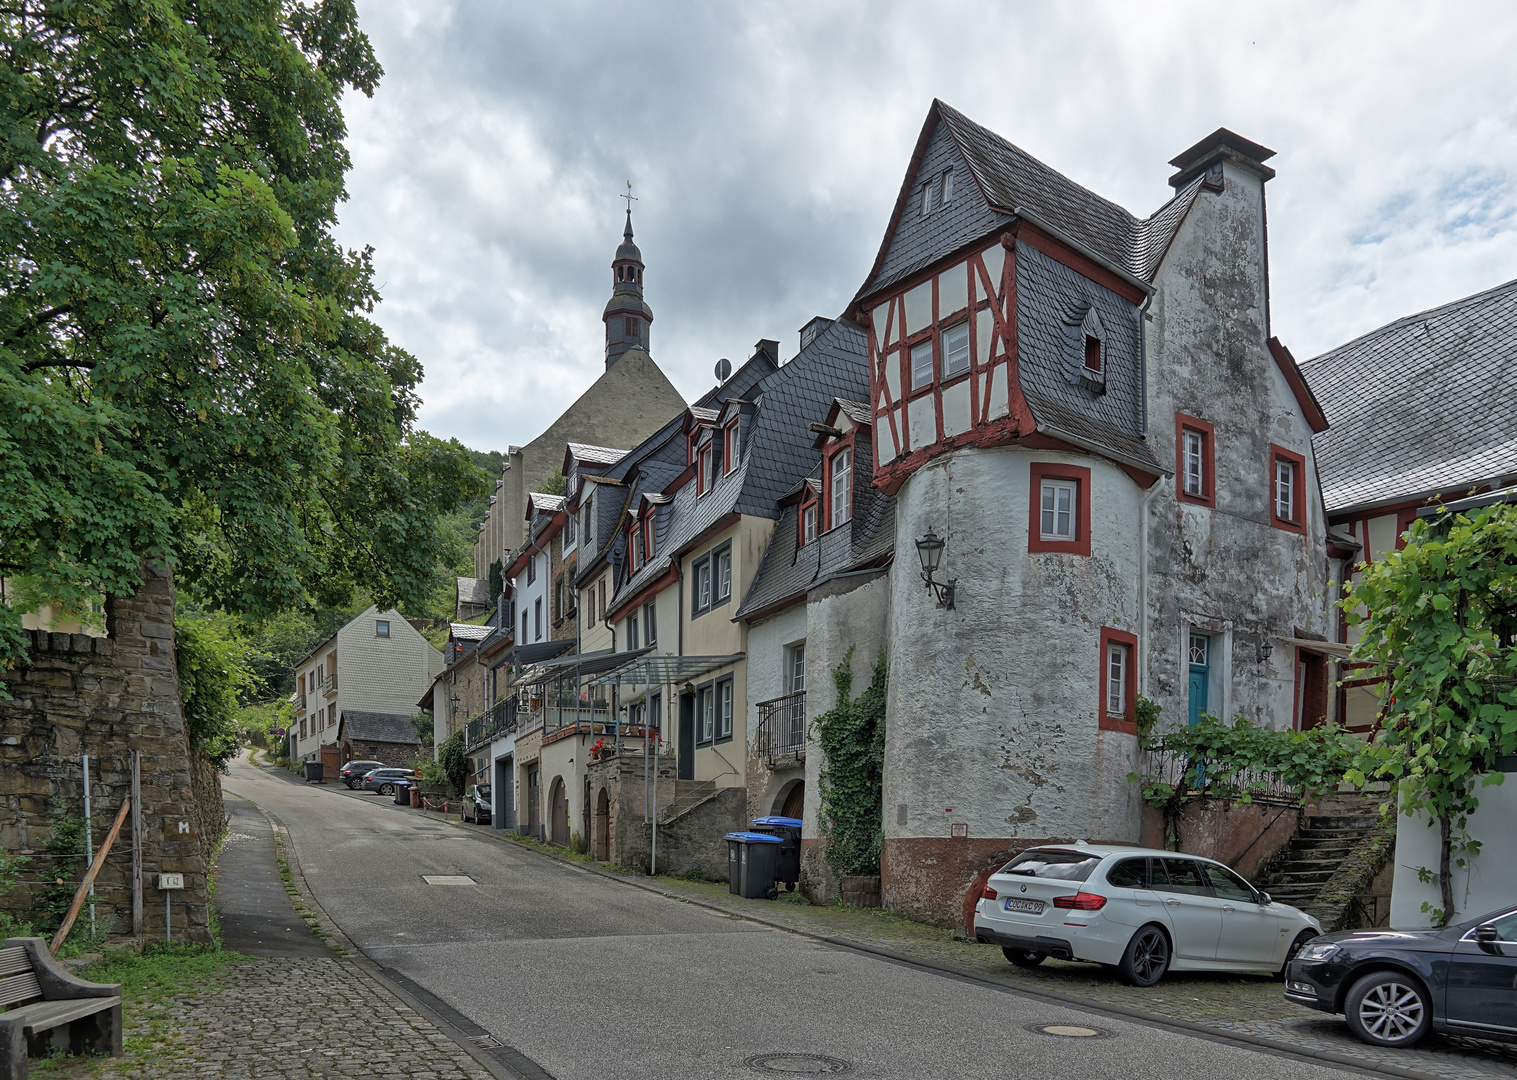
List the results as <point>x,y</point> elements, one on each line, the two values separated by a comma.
<point>215,672</point>
<point>852,738</point>
<point>452,760</point>
<point>1437,622</point>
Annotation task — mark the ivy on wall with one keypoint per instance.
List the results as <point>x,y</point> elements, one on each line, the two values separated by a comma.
<point>852,738</point>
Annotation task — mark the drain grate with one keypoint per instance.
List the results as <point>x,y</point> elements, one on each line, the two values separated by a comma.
<point>486,1041</point>
<point>798,1064</point>
<point>448,879</point>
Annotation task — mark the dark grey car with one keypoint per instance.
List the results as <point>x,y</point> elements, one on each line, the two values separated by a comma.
<point>383,780</point>
<point>477,806</point>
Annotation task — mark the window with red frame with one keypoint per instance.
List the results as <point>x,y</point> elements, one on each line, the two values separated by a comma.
<point>1119,681</point>
<point>1287,489</point>
<point>648,531</point>
<point>1092,353</point>
<point>1195,469</point>
<point>732,446</point>
<point>1059,514</point>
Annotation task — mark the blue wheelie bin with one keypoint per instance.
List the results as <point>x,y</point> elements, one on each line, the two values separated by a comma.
<point>788,829</point>
<point>402,793</point>
<point>751,859</point>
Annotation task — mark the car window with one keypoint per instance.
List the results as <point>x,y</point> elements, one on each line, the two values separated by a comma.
<point>1506,927</point>
<point>1127,874</point>
<point>483,791</point>
<point>1046,863</point>
<point>1228,885</point>
<point>1182,876</point>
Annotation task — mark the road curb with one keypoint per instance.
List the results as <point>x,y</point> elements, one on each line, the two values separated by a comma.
<point>444,1017</point>
<point>1155,1019</point>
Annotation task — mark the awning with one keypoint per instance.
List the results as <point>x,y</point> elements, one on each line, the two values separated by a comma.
<point>578,665</point>
<point>538,651</point>
<point>1331,648</point>
<point>656,670</point>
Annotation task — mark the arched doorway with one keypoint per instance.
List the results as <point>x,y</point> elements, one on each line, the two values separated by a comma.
<point>558,813</point>
<point>603,826</point>
<point>793,801</point>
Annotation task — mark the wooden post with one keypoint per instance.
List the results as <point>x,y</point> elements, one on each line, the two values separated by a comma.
<point>89,878</point>
<point>137,925</point>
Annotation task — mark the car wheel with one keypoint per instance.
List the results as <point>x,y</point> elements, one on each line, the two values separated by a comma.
<point>1023,957</point>
<point>1296,946</point>
<point>1146,958</point>
<point>387,789</point>
<point>1388,1008</point>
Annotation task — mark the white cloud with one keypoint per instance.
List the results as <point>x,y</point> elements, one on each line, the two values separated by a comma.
<point>767,144</point>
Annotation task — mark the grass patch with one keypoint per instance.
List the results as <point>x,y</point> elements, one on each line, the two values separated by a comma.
<point>162,972</point>
<point>302,909</point>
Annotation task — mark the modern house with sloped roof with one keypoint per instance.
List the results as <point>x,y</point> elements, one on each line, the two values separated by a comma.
<point>1422,412</point>
<point>1089,432</point>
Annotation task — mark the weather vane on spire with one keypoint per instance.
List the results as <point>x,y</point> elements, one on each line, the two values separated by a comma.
<point>631,198</point>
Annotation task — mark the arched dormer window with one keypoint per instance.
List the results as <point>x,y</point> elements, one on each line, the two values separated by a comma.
<point>1092,352</point>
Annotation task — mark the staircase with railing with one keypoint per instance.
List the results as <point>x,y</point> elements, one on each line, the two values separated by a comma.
<point>782,729</point>
<point>687,794</point>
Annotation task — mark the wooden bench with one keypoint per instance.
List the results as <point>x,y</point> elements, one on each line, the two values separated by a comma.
<point>49,1009</point>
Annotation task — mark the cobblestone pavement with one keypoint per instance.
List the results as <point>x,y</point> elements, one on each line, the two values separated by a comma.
<point>291,1019</point>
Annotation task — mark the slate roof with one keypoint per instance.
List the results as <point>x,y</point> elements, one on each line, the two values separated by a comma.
<point>1010,180</point>
<point>596,455</point>
<point>379,727</point>
<point>469,632</point>
<point>542,503</point>
<point>473,590</point>
<point>1426,404</point>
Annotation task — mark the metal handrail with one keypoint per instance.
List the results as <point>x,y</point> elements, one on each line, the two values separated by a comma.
<point>782,728</point>
<point>1196,778</point>
<point>499,720</point>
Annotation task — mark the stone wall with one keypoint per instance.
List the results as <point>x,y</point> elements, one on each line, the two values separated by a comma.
<point>110,697</point>
<point>695,839</point>
<point>395,755</point>
<point>621,777</point>
<point>1244,836</point>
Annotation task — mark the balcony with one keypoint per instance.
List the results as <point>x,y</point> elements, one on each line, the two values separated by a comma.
<point>500,720</point>
<point>782,730</point>
<point>329,688</point>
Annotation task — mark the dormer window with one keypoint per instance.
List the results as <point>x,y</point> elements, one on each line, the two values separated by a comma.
<point>808,524</point>
<point>937,192</point>
<point>703,470</point>
<point>637,546</point>
<point>1092,353</point>
<point>841,487</point>
<point>733,444</point>
<point>648,531</point>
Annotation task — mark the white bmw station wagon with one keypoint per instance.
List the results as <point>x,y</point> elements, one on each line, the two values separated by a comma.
<point>1142,911</point>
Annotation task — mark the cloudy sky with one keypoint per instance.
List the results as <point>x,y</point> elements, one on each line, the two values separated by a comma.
<point>766,144</point>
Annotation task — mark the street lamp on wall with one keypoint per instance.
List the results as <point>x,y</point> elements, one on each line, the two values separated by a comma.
<point>930,551</point>
<point>1264,651</point>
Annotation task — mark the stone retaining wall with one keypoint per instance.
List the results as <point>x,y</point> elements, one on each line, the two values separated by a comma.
<point>110,697</point>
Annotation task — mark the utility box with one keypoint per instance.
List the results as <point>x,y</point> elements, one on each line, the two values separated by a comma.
<point>171,881</point>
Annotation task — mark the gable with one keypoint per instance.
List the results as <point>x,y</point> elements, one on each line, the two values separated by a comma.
<point>915,240</point>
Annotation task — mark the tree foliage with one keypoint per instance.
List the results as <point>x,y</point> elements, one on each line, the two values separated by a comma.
<point>215,674</point>
<point>453,762</point>
<point>187,364</point>
<point>852,738</point>
<point>1437,621</point>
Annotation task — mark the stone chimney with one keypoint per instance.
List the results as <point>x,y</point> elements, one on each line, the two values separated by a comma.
<point>1207,156</point>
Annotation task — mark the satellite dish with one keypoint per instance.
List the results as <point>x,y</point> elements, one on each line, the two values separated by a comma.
<point>723,370</point>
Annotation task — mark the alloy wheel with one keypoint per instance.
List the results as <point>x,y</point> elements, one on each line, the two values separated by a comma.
<point>1391,1011</point>
<point>1150,956</point>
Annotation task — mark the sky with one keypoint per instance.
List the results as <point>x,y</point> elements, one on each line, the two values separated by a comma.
<point>766,144</point>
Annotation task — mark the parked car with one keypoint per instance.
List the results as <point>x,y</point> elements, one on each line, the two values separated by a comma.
<point>1394,986</point>
<point>477,806</point>
<point>383,780</point>
<point>354,771</point>
<point>1143,912</point>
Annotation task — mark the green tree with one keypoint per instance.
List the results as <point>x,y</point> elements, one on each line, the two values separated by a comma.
<point>188,368</point>
<point>1437,621</point>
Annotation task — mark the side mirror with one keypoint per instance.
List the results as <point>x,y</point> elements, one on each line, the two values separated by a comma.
<point>1265,899</point>
<point>1485,933</point>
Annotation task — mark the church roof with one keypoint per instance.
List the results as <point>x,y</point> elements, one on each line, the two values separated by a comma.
<point>1420,406</point>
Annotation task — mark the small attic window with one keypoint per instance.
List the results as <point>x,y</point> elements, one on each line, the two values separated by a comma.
<point>937,192</point>
<point>1092,353</point>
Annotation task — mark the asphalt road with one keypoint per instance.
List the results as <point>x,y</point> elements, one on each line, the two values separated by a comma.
<point>595,980</point>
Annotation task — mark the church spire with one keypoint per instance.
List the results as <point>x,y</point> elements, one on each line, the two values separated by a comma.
<point>627,315</point>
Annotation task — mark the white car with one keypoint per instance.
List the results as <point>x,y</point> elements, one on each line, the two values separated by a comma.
<point>1139,910</point>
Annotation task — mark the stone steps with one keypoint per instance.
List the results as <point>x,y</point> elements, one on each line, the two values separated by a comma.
<point>1329,834</point>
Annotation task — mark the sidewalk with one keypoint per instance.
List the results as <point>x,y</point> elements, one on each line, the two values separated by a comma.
<point>283,1003</point>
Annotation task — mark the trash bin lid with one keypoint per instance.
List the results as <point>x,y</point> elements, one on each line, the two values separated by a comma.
<point>754,838</point>
<point>790,822</point>
<point>402,783</point>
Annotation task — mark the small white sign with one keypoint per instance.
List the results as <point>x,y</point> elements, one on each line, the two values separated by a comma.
<point>171,881</point>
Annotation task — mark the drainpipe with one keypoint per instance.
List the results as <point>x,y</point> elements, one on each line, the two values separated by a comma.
<point>1148,497</point>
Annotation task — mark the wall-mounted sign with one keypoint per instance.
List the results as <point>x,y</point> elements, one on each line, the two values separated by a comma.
<point>171,881</point>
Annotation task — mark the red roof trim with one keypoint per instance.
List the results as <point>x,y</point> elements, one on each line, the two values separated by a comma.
<point>1304,396</point>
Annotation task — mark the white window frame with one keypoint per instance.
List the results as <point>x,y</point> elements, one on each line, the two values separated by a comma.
<point>537,619</point>
<point>703,585</point>
<point>632,631</point>
<point>650,623</point>
<point>1193,453</point>
<point>703,470</point>
<point>721,575</point>
<point>705,700</point>
<point>955,358</point>
<point>923,364</point>
<point>841,487</point>
<point>569,538</point>
<point>1050,511</point>
<point>637,545</point>
<point>808,523</point>
<point>1117,659</point>
<point>795,668</point>
<point>724,699</point>
<point>732,446</point>
<point>1285,490</point>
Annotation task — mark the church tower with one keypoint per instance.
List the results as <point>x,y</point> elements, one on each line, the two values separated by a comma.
<point>626,316</point>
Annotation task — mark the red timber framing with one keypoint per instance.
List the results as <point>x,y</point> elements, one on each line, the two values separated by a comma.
<point>1127,720</point>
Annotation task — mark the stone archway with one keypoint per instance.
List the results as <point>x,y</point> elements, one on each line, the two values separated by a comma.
<point>791,800</point>
<point>602,828</point>
<point>558,813</point>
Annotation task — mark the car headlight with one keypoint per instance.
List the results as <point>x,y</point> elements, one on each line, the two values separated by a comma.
<point>1317,952</point>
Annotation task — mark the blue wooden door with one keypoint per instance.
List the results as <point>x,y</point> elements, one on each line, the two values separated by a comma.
<point>1200,675</point>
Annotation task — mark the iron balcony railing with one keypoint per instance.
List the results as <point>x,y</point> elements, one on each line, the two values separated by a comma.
<point>330,686</point>
<point>499,720</point>
<point>782,728</point>
<point>1201,776</point>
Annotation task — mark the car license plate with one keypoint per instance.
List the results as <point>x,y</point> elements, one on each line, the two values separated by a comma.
<point>1027,907</point>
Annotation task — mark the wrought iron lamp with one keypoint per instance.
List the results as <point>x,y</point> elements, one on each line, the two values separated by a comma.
<point>1265,650</point>
<point>930,551</point>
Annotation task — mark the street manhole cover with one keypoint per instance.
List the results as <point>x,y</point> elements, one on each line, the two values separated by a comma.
<point>1069,1031</point>
<point>448,879</point>
<point>798,1064</point>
